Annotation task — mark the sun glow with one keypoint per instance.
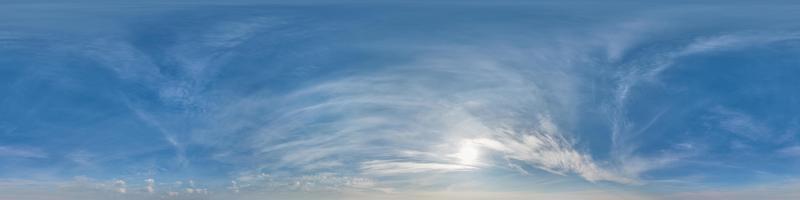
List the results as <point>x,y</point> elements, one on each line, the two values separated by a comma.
<point>468,154</point>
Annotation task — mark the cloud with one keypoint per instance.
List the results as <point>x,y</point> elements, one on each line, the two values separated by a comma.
<point>476,195</point>
<point>548,149</point>
<point>230,34</point>
<point>21,152</point>
<point>428,106</point>
<point>741,124</point>
<point>150,185</point>
<point>93,189</point>
<point>443,95</point>
<point>125,60</point>
<point>259,183</point>
<point>82,158</point>
<point>790,151</point>
<point>168,136</point>
<point>383,167</point>
<point>322,186</point>
<point>234,187</point>
<point>643,68</point>
<point>121,188</point>
<point>782,190</point>
<point>735,41</point>
<point>436,107</point>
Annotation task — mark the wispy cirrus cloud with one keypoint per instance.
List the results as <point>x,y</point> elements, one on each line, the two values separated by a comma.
<point>22,152</point>
<point>430,107</point>
<point>741,124</point>
<point>300,101</point>
<point>387,167</point>
<point>645,69</point>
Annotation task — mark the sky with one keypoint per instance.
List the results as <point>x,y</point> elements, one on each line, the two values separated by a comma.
<point>246,100</point>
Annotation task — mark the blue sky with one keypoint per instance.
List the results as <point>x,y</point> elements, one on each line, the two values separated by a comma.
<point>399,100</point>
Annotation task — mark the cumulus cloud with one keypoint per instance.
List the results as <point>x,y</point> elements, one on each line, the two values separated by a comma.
<point>234,187</point>
<point>150,185</point>
<point>120,185</point>
<point>259,183</point>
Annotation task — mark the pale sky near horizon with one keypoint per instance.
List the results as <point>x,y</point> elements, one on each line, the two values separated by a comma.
<point>399,100</point>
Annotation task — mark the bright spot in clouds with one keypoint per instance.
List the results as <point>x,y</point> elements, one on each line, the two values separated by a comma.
<point>468,154</point>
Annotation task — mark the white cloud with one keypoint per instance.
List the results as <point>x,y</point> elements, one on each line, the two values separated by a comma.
<point>734,41</point>
<point>645,69</point>
<point>150,185</point>
<point>447,95</point>
<point>121,188</point>
<point>410,117</point>
<point>234,187</point>
<point>548,149</point>
<point>448,98</point>
<point>256,183</point>
<point>169,136</point>
<point>383,167</point>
